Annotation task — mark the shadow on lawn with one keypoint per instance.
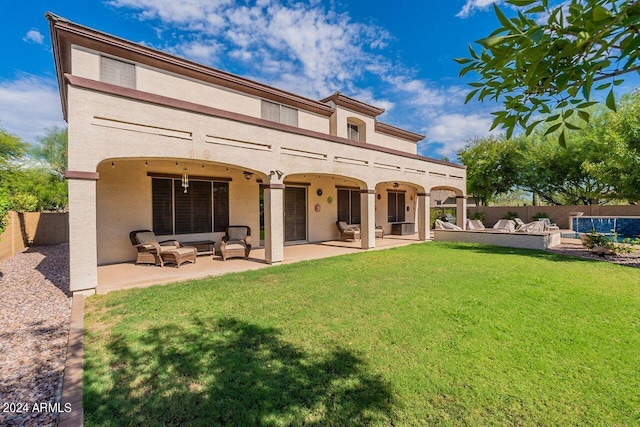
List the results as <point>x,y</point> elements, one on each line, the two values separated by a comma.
<point>230,372</point>
<point>533,253</point>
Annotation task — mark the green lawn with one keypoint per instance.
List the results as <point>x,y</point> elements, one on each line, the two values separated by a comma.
<point>425,334</point>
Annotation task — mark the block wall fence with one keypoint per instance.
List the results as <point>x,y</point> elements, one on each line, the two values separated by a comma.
<point>33,229</point>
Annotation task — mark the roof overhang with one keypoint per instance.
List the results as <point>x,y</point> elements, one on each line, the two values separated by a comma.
<point>353,104</point>
<point>65,34</point>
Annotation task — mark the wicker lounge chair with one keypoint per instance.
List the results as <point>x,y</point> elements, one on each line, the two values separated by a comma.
<point>347,232</point>
<point>236,242</point>
<point>151,251</point>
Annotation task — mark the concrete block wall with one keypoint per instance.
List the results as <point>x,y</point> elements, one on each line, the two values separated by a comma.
<point>33,228</point>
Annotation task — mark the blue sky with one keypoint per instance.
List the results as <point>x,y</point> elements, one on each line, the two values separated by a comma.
<point>395,55</point>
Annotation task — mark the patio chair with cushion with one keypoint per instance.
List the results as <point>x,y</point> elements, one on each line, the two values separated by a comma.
<point>505,226</point>
<point>236,242</point>
<point>444,225</point>
<point>532,227</point>
<point>151,251</point>
<point>474,224</point>
<point>347,232</point>
<point>548,225</point>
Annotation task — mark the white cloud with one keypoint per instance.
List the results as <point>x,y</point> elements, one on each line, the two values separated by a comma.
<point>472,5</point>
<point>325,48</point>
<point>204,52</point>
<point>29,106</point>
<point>453,130</point>
<point>33,36</point>
<point>313,50</point>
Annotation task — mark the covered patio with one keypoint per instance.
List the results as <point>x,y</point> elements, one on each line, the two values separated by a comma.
<point>129,275</point>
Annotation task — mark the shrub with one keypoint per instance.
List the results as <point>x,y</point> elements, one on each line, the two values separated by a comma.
<point>511,215</point>
<point>478,215</point>
<point>5,205</point>
<point>625,246</point>
<point>541,215</point>
<point>24,202</point>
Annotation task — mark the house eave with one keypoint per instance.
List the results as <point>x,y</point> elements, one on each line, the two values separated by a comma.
<point>353,104</point>
<point>65,33</point>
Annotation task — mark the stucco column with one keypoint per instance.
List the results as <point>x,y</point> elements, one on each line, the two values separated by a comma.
<point>274,223</point>
<point>461,211</point>
<point>83,246</point>
<point>423,204</point>
<point>368,218</point>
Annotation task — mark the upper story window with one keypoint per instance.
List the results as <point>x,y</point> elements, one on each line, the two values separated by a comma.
<point>279,113</point>
<point>356,129</point>
<point>117,72</point>
<point>353,132</point>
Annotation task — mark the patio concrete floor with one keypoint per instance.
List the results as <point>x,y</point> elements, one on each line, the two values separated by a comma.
<point>128,275</point>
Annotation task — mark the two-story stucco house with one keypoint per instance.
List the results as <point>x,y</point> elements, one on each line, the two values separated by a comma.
<point>141,121</point>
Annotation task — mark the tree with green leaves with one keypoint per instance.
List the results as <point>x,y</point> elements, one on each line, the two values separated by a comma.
<point>52,150</point>
<point>493,165</point>
<point>550,59</point>
<point>12,148</point>
<point>561,175</point>
<point>621,131</point>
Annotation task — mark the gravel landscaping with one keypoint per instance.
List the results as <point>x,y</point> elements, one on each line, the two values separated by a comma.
<point>630,260</point>
<point>35,308</point>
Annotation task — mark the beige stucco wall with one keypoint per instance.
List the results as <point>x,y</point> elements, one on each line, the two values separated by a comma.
<point>511,240</point>
<point>86,64</point>
<point>124,203</point>
<point>387,141</point>
<point>104,126</point>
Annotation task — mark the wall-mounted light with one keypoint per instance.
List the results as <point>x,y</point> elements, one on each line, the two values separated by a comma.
<point>247,175</point>
<point>146,164</point>
<point>113,165</point>
<point>396,185</point>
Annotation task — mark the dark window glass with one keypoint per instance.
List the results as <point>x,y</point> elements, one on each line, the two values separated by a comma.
<point>349,206</point>
<point>204,205</point>
<point>193,208</point>
<point>401,207</point>
<point>391,207</point>
<point>220,206</point>
<point>343,206</point>
<point>355,207</point>
<point>395,204</point>
<point>295,210</point>
<point>162,201</point>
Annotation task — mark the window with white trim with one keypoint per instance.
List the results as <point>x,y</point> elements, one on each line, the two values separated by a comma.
<point>353,132</point>
<point>117,72</point>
